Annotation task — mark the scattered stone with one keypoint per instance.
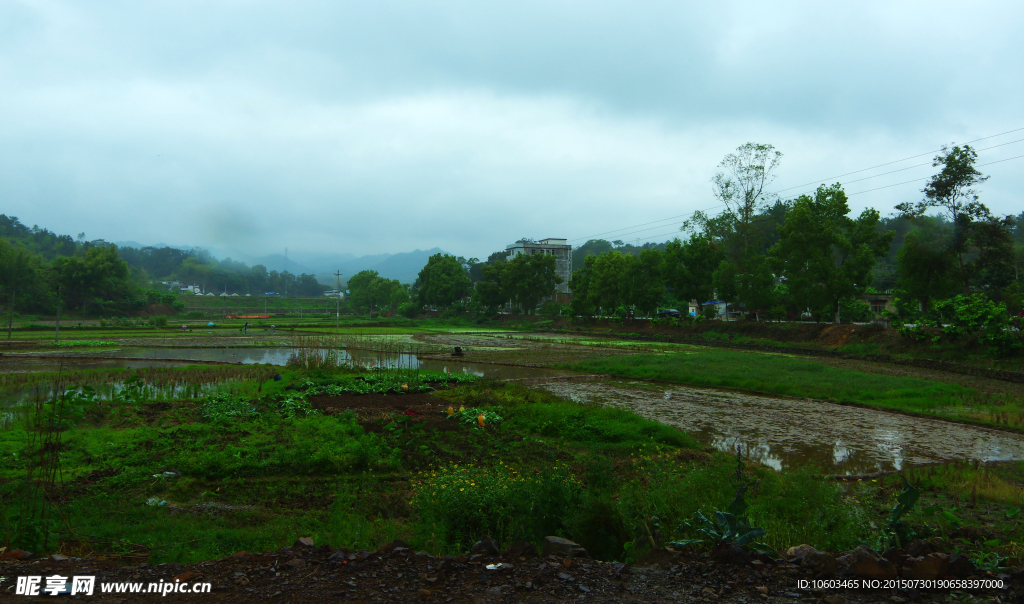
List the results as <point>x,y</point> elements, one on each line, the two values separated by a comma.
<point>584,588</point>
<point>564,576</point>
<point>522,549</point>
<point>485,547</point>
<point>797,552</point>
<point>820,563</point>
<point>390,546</point>
<point>708,592</point>
<point>834,599</point>
<point>917,548</point>
<point>961,567</point>
<point>730,553</point>
<point>303,542</point>
<point>187,576</point>
<point>896,557</point>
<point>59,557</point>
<point>557,546</point>
<point>866,563</point>
<point>932,566</point>
<point>296,563</point>
<point>424,593</point>
<point>761,589</point>
<point>15,554</point>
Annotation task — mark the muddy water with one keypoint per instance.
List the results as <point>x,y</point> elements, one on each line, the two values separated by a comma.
<point>786,433</point>
<point>164,357</point>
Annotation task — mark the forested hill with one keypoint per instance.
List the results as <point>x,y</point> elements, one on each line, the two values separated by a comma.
<point>37,260</point>
<point>47,244</point>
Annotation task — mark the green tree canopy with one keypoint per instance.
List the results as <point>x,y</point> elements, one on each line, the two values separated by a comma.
<point>644,280</point>
<point>443,281</point>
<point>690,267</point>
<point>98,275</point>
<point>981,242</point>
<point>925,263</point>
<point>825,255</point>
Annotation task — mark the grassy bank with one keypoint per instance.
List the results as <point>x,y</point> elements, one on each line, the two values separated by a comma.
<point>785,375</point>
<point>257,465</point>
<point>847,338</point>
<point>257,462</point>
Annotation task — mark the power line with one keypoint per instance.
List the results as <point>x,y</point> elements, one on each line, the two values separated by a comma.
<point>824,179</point>
<point>634,226</point>
<point>857,193</point>
<point>899,160</point>
<point>919,180</point>
<point>924,164</point>
<point>659,226</point>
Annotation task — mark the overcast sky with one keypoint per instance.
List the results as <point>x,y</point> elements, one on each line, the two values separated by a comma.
<point>371,127</point>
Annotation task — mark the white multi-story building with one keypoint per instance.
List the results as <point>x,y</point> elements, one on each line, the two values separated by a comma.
<point>557,248</point>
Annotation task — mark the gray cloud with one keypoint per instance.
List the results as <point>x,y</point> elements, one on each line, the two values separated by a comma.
<point>374,127</point>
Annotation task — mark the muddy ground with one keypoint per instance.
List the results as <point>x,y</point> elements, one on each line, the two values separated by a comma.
<point>304,573</point>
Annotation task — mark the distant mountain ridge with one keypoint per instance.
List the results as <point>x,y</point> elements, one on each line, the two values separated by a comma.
<point>404,266</point>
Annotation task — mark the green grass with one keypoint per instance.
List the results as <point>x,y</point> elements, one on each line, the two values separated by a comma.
<point>258,479</point>
<point>785,375</point>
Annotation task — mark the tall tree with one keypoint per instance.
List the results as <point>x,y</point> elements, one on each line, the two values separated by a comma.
<point>925,262</point>
<point>979,239</point>
<point>608,281</point>
<point>528,278</point>
<point>361,292</point>
<point>690,268</point>
<point>98,275</point>
<point>825,255</point>
<point>740,186</point>
<point>583,303</point>
<point>17,274</point>
<point>645,284</point>
<point>443,281</point>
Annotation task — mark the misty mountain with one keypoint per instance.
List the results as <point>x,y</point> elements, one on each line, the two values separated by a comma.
<point>404,266</point>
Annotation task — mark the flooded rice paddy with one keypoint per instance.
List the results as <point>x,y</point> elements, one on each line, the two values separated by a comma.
<point>180,356</point>
<point>777,432</point>
<point>788,432</point>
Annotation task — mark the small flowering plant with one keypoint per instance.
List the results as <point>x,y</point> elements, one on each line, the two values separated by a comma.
<point>463,502</point>
<point>472,416</point>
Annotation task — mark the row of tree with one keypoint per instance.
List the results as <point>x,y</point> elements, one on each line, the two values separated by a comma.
<point>94,277</point>
<point>810,254</point>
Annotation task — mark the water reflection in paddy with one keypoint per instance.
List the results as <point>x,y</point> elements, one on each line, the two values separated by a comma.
<point>785,433</point>
<point>163,357</point>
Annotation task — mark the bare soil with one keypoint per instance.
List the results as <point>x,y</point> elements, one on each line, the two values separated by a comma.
<point>396,574</point>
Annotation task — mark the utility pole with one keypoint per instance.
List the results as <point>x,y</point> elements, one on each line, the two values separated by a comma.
<point>337,302</point>
<point>10,316</point>
<point>56,337</point>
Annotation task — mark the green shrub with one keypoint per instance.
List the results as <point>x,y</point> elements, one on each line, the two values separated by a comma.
<point>222,407</point>
<point>459,505</point>
<point>855,311</point>
<point>409,309</point>
<point>294,405</point>
<point>964,315</point>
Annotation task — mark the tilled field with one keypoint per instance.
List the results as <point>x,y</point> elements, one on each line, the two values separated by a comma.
<point>304,573</point>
